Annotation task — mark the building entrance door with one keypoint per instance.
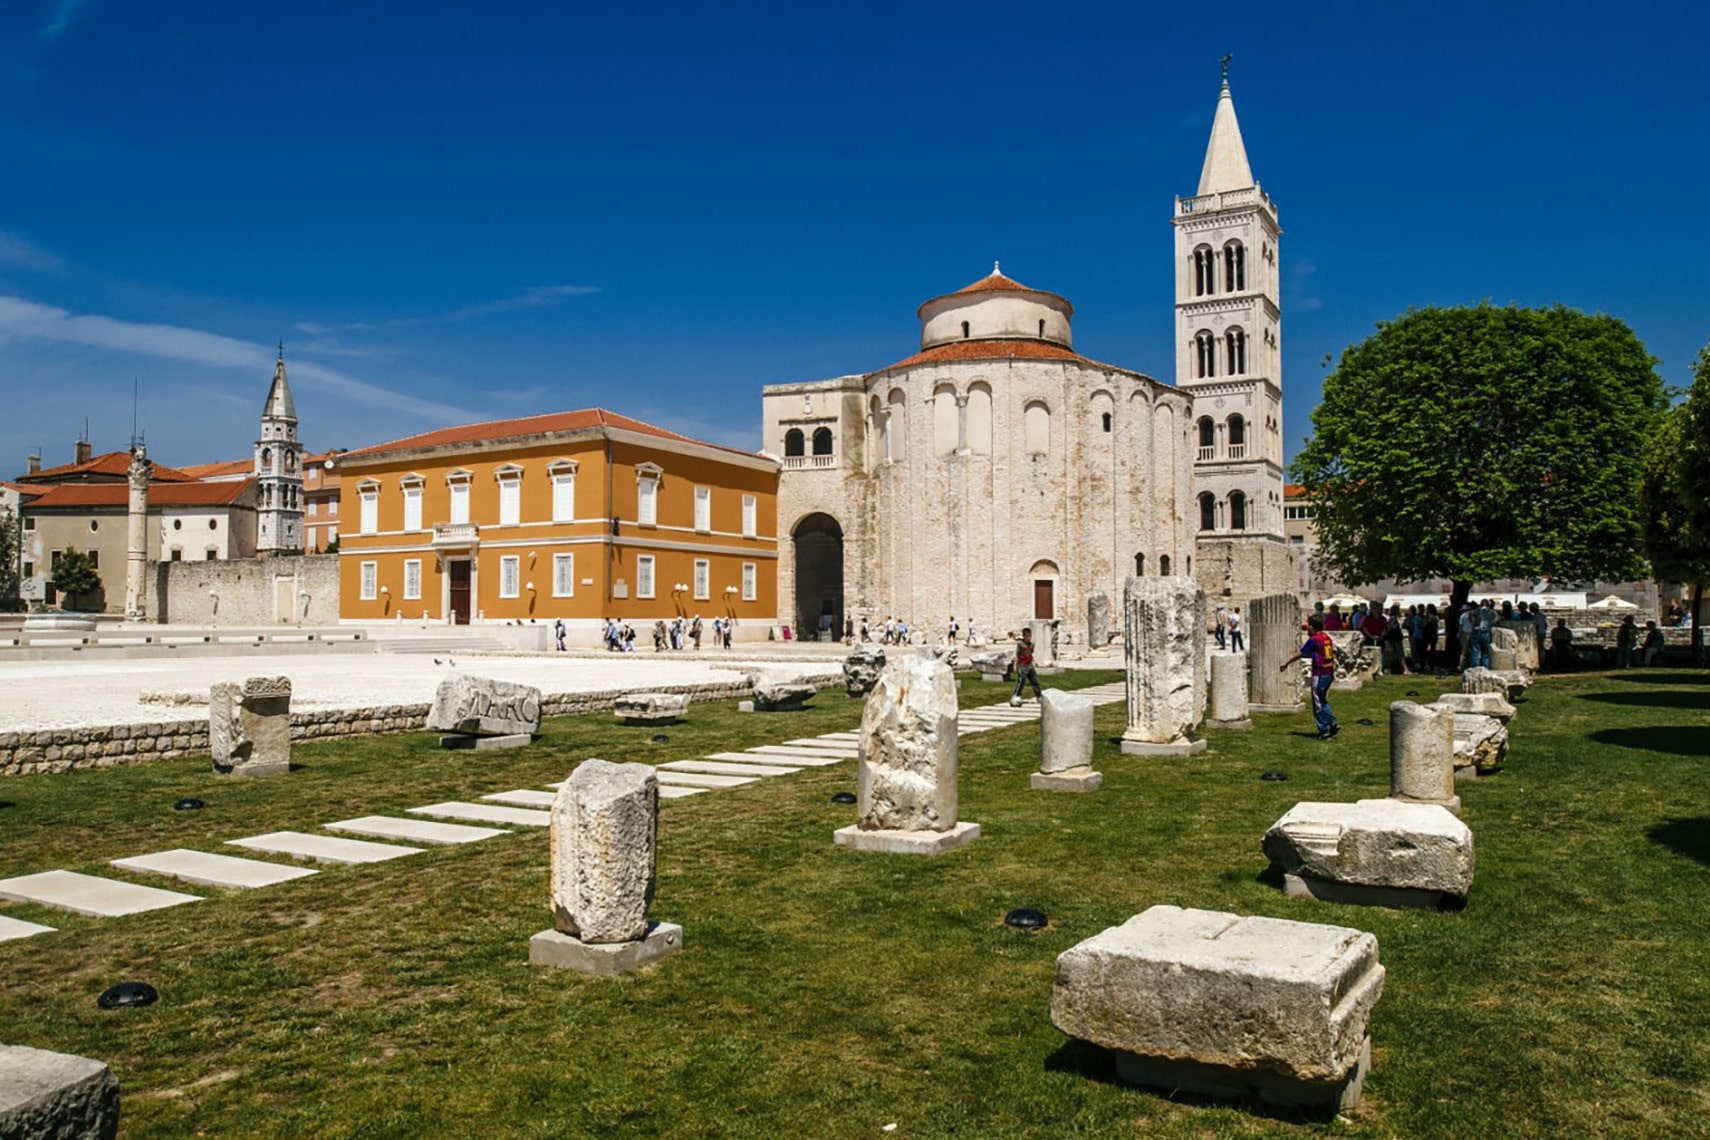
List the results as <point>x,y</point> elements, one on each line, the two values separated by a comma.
<point>1044,599</point>
<point>458,573</point>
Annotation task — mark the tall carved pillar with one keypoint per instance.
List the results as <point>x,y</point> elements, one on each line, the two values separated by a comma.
<point>136,548</point>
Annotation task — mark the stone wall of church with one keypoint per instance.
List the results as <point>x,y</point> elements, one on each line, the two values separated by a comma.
<point>249,591</point>
<point>1234,571</point>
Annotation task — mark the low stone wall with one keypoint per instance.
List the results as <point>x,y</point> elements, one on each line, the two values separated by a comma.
<point>249,591</point>
<point>104,746</point>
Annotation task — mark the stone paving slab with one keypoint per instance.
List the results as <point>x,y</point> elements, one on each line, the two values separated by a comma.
<point>673,792</point>
<point>831,740</point>
<point>486,813</point>
<point>701,780</point>
<point>523,797</point>
<point>793,759</point>
<point>209,870</point>
<point>855,736</point>
<point>414,830</point>
<point>11,928</point>
<point>89,894</point>
<point>840,746</point>
<point>796,750</point>
<point>726,768</point>
<point>324,848</point>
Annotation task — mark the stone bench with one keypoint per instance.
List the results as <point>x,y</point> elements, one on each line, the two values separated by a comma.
<point>651,708</point>
<point>56,1094</point>
<point>1373,853</point>
<point>1226,1006</point>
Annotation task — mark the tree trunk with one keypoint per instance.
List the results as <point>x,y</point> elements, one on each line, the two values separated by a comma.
<point>1459,592</point>
<point>1697,624</point>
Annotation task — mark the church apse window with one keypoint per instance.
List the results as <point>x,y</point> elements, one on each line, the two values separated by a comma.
<point>1164,565</point>
<point>1036,429</point>
<point>1235,351</point>
<point>1204,271</point>
<point>979,419</point>
<point>1205,354</point>
<point>794,443</point>
<point>964,330</point>
<point>1106,418</point>
<point>1234,267</point>
<point>822,441</point>
<point>946,421</point>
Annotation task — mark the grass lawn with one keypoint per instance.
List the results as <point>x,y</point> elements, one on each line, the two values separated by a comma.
<point>824,992</point>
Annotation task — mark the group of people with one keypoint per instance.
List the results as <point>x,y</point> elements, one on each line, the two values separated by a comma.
<point>896,631</point>
<point>619,636</point>
<point>1226,628</point>
<point>1628,646</point>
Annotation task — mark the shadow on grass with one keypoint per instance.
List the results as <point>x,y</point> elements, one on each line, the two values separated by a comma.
<point>1660,698</point>
<point>1679,740</point>
<point>1650,677</point>
<point>1096,1063</point>
<point>1689,837</point>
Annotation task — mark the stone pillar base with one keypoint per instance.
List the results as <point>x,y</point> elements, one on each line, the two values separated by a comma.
<point>260,768</point>
<point>461,740</point>
<point>895,842</point>
<point>1361,894</point>
<point>605,959</point>
<point>1453,803</point>
<point>1082,779</point>
<point>1241,725</point>
<point>1223,1083</point>
<point>1292,708</point>
<point>1147,748</point>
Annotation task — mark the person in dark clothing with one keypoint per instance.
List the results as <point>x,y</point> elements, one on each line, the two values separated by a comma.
<point>1025,673</point>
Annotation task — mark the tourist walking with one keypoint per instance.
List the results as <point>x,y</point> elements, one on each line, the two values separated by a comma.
<point>558,633</point>
<point>1236,641</point>
<point>1025,673</point>
<point>954,629</point>
<point>1320,655</point>
<point>695,632</point>
<point>1626,638</point>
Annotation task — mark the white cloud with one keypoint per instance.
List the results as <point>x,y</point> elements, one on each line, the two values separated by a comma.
<point>534,297</point>
<point>28,320</point>
<point>24,254</point>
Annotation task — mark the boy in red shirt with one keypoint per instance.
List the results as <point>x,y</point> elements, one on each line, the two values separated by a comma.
<point>1320,653</point>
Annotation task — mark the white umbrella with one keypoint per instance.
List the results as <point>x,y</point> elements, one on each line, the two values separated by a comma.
<point>1611,603</point>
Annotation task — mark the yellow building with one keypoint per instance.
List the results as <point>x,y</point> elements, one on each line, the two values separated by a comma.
<point>578,515</point>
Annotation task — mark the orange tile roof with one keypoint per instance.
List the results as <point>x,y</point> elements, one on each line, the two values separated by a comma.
<point>995,282</point>
<point>114,464</point>
<point>993,350</point>
<point>1293,490</point>
<point>221,468</point>
<point>553,422</point>
<point>70,495</point>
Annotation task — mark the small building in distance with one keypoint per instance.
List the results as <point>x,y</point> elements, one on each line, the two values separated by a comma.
<point>579,515</point>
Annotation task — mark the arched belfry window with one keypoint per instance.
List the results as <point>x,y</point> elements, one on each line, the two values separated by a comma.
<point>1205,354</point>
<point>794,442</point>
<point>1204,271</point>
<point>1234,267</point>
<point>964,330</point>
<point>1237,431</point>
<point>1207,512</point>
<point>822,441</point>
<point>1235,351</point>
<point>1237,511</point>
<point>1207,432</point>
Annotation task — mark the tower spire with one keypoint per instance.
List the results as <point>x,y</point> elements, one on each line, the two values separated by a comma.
<point>1226,155</point>
<point>279,403</point>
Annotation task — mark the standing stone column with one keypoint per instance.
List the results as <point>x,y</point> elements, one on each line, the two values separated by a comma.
<point>1273,635</point>
<point>604,835</point>
<point>1044,642</point>
<point>1065,744</point>
<point>1422,754</point>
<point>1229,691</point>
<point>1164,647</point>
<point>907,769</point>
<point>1098,621</point>
<point>249,726</point>
<point>136,533</point>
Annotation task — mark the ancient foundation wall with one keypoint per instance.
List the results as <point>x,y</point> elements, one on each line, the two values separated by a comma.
<point>249,591</point>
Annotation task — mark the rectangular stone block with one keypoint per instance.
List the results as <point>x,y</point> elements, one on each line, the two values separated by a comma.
<point>1165,650</point>
<point>726,768</point>
<point>1066,731</point>
<point>53,1095</point>
<point>605,959</point>
<point>249,726</point>
<point>482,706</point>
<point>414,830</point>
<point>522,797</point>
<point>1068,780</point>
<point>1249,995</point>
<point>604,836</point>
<point>461,741</point>
<point>324,848</point>
<point>907,773</point>
<point>89,894</point>
<point>11,928</point>
<point>209,870</point>
<point>485,813</point>
<point>1376,843</point>
<point>898,842</point>
<point>651,708</point>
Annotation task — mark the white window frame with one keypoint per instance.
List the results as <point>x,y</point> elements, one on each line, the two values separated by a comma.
<point>510,576</point>
<point>645,576</point>
<point>412,502</point>
<point>457,484</point>
<point>510,494</point>
<point>370,581</point>
<point>647,479</point>
<point>703,508</point>
<point>564,575</point>
<point>563,474</point>
<point>368,520</point>
<point>703,580</point>
<point>750,516</point>
<point>750,581</point>
<point>412,579</point>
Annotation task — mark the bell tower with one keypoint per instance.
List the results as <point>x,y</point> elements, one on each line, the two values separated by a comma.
<point>279,471</point>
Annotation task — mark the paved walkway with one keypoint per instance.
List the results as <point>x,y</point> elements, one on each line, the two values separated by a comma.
<point>496,814</point>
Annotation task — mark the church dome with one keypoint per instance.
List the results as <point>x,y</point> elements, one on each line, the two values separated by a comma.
<point>995,308</point>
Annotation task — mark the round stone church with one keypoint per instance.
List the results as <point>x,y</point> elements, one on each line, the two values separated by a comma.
<point>996,475</point>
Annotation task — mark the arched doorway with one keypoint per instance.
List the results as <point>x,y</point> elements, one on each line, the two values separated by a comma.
<point>819,577</point>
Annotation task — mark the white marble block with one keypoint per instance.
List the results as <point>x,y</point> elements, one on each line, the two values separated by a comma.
<point>780,690</point>
<point>249,726</point>
<point>603,837</point>
<point>1098,621</point>
<point>1422,754</point>
<point>1229,691</point>
<point>1483,704</point>
<point>1420,849</point>
<point>650,708</point>
<point>1225,1005</point>
<point>1481,743</point>
<point>1164,644</point>
<point>481,706</point>
<point>53,1095</point>
<point>1066,731</point>
<point>1044,642</point>
<point>1273,635</point>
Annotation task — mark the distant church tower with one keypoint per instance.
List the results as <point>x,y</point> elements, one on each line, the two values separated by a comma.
<point>279,472</point>
<point>1229,358</point>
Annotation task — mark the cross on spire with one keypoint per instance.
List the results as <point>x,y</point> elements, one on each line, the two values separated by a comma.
<point>282,343</point>
<point>1225,62</point>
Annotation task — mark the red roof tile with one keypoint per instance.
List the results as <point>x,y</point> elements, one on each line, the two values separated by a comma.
<point>223,468</point>
<point>68,495</point>
<point>995,282</point>
<point>580,420</point>
<point>114,464</point>
<point>991,350</point>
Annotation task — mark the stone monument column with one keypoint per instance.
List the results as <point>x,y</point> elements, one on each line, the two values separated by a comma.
<point>1164,647</point>
<point>1422,754</point>
<point>136,547</point>
<point>1273,636</point>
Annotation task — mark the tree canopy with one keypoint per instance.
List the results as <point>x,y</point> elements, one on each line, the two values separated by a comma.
<point>1674,497</point>
<point>74,575</point>
<point>1483,442</point>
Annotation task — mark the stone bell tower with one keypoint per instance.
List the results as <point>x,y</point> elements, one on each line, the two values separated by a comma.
<point>279,472</point>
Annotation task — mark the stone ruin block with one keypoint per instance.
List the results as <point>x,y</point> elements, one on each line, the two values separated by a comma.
<point>1228,707</point>
<point>1226,1006</point>
<point>907,770</point>
<point>249,726</point>
<point>1044,642</point>
<point>1482,704</point>
<point>603,840</point>
<point>1526,648</point>
<point>1509,683</point>
<point>779,691</point>
<point>1273,635</point>
<point>1504,649</point>
<point>861,669</point>
<point>1481,744</point>
<point>1373,852</point>
<point>1065,744</point>
<point>45,1094</point>
<point>482,706</point>
<point>1098,621</point>
<point>1164,647</point>
<point>1422,754</point>
<point>651,708</point>
<point>1356,662</point>
<point>994,664</point>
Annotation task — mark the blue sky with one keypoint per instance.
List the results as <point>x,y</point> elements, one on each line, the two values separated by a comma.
<point>456,211</point>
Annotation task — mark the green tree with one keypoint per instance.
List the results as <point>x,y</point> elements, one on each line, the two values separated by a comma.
<point>1674,503</point>
<point>10,541</point>
<point>74,576</point>
<point>1483,442</point>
